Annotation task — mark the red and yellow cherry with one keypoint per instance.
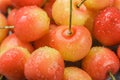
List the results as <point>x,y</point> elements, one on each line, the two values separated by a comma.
<point>61,12</point>
<point>12,63</point>
<point>100,63</point>
<point>31,23</point>
<point>73,46</point>
<point>98,4</point>
<point>75,73</point>
<point>45,63</point>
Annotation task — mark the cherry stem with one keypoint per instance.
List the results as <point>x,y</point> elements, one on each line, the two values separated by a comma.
<point>6,27</point>
<point>78,5</point>
<point>9,10</point>
<point>70,20</point>
<point>112,76</point>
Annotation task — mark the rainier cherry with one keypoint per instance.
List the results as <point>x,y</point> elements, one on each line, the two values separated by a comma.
<point>74,46</point>
<point>61,12</point>
<point>98,4</point>
<point>75,73</point>
<point>12,63</point>
<point>100,63</point>
<point>73,42</point>
<point>31,23</point>
<point>45,63</point>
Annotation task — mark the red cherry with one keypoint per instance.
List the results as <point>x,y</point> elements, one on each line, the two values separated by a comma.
<point>106,27</point>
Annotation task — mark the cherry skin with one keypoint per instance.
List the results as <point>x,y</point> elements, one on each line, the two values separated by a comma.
<point>12,41</point>
<point>22,3</point>
<point>45,40</point>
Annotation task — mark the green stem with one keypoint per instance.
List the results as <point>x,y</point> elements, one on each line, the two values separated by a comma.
<point>80,3</point>
<point>112,76</point>
<point>70,20</point>
<point>9,10</point>
<point>6,27</point>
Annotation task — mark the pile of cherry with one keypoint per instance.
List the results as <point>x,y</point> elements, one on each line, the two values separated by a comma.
<point>59,40</point>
